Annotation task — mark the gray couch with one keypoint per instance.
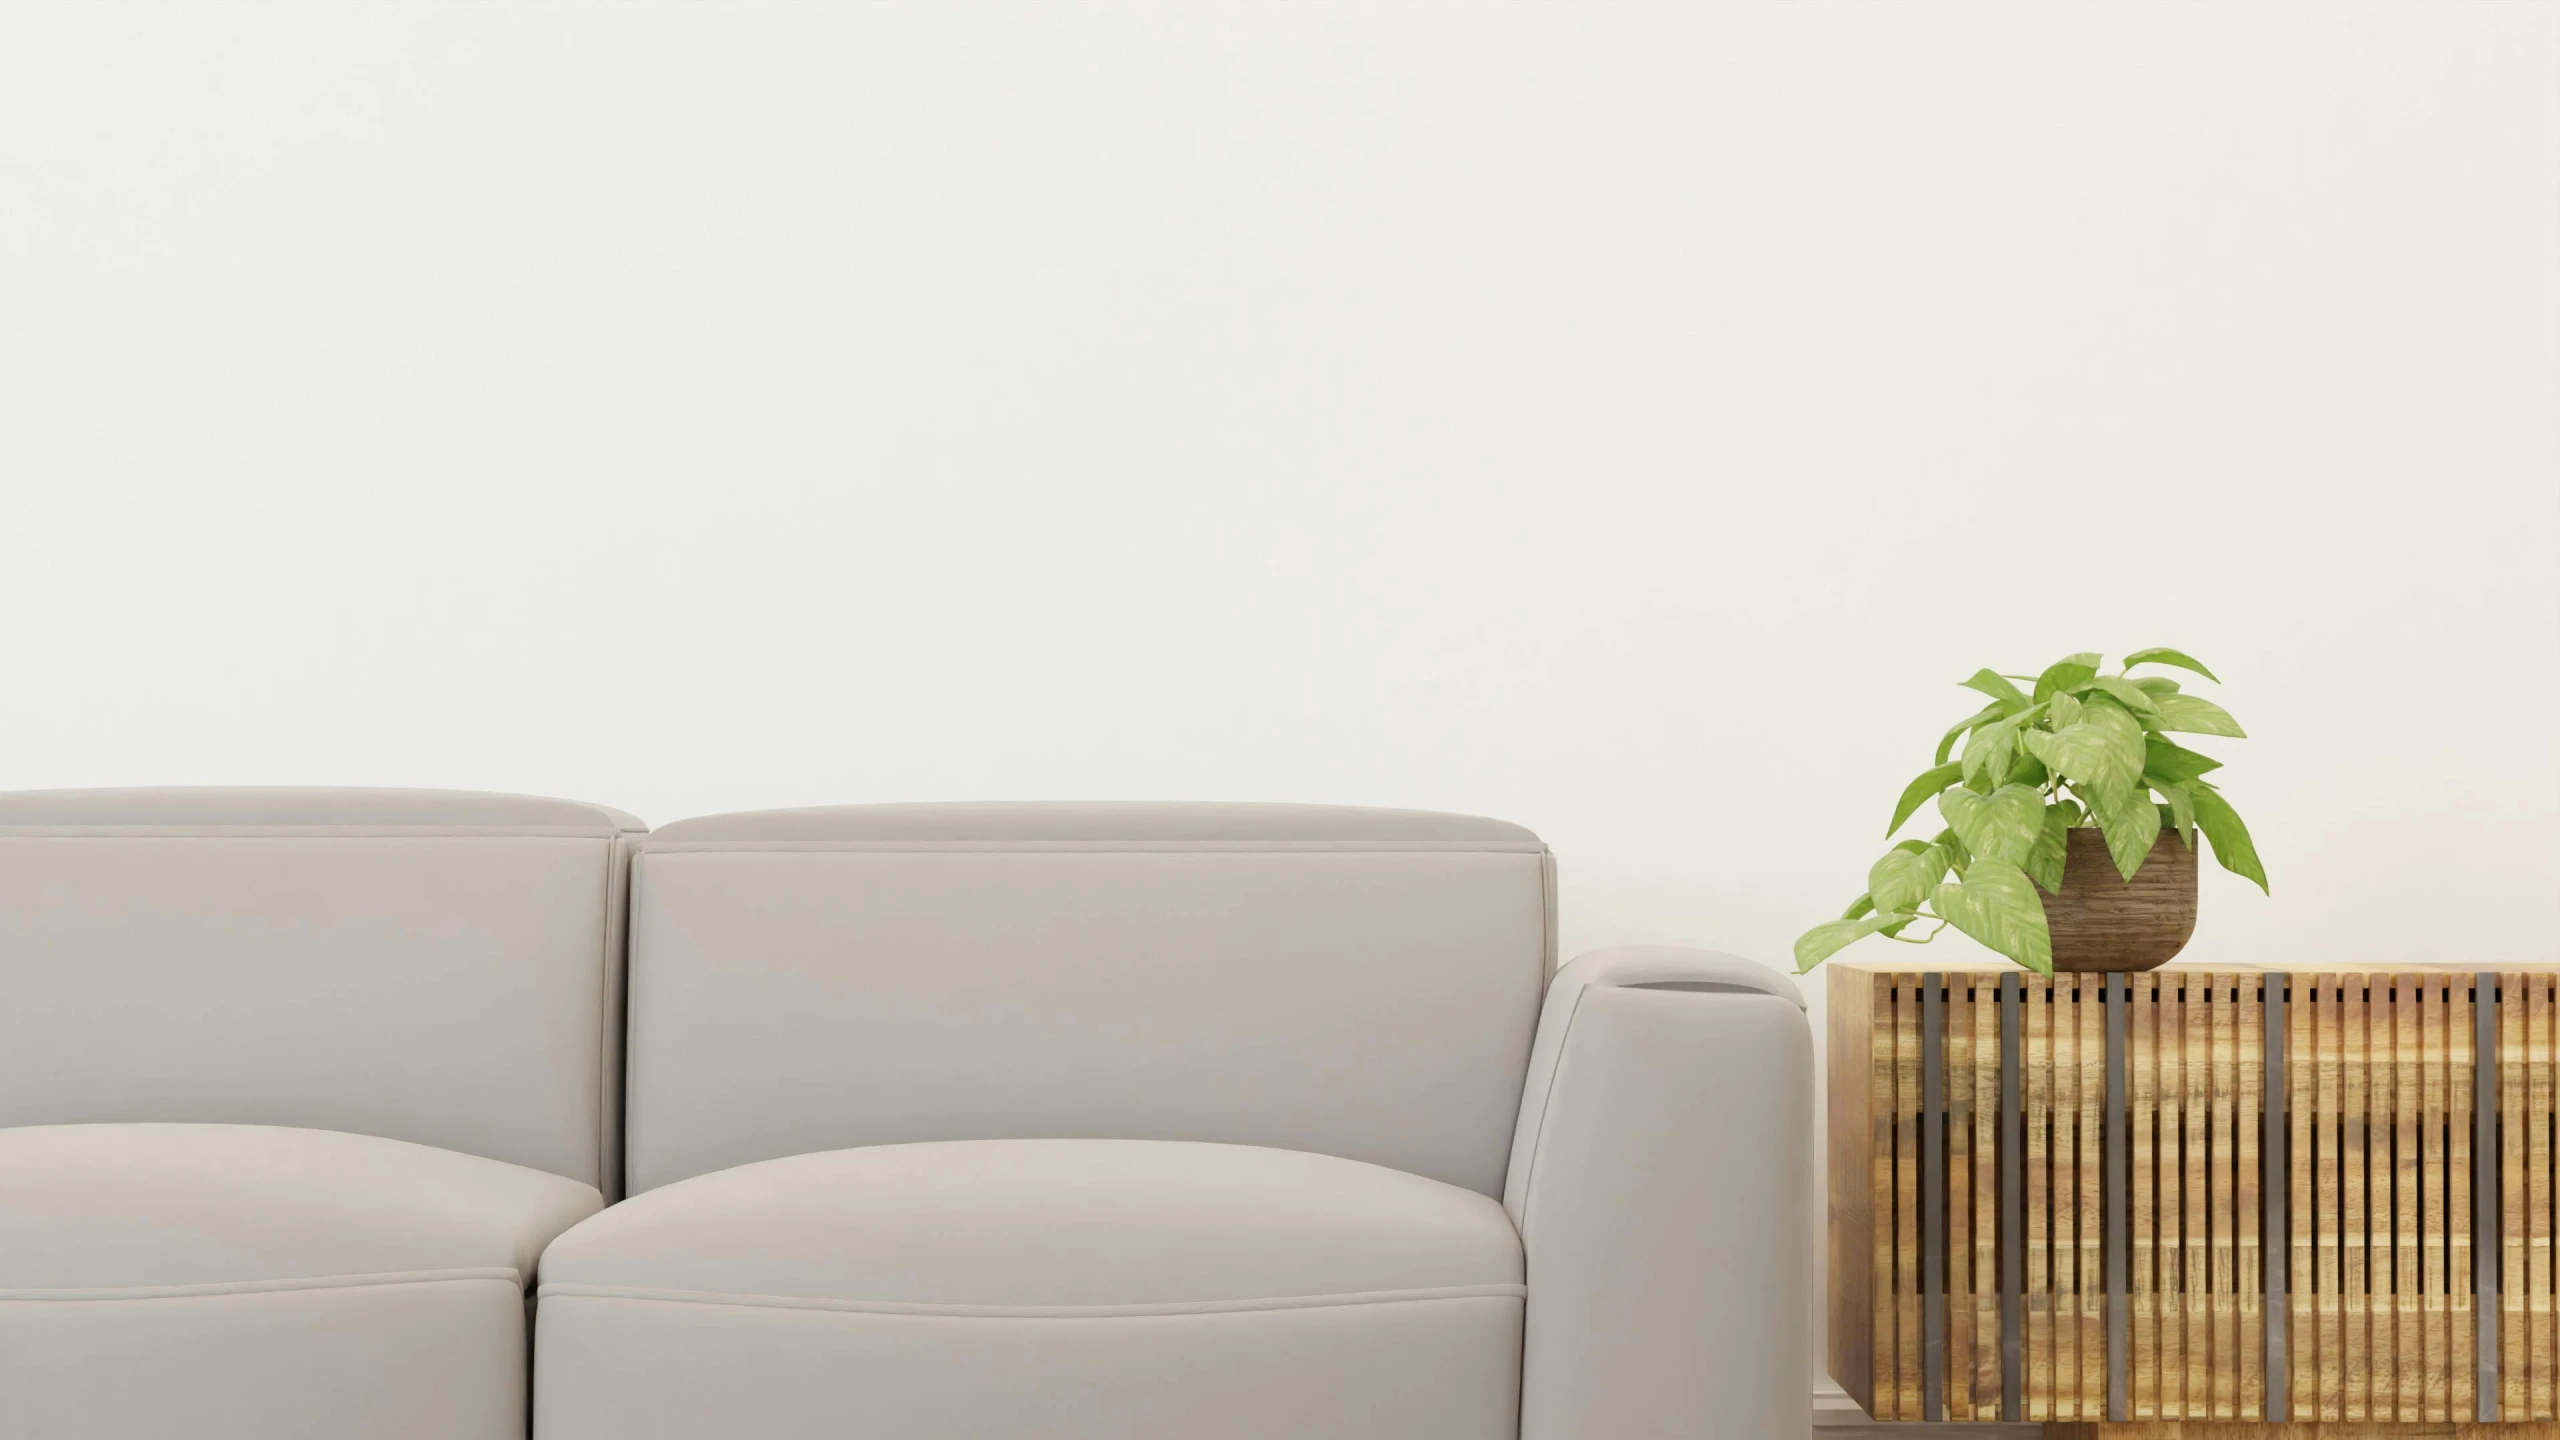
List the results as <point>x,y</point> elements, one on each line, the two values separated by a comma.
<point>1142,1121</point>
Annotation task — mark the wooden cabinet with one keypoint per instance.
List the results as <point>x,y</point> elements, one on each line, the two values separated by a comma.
<point>2195,1200</point>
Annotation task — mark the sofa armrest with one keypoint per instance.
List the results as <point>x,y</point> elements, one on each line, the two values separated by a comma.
<point>1662,1181</point>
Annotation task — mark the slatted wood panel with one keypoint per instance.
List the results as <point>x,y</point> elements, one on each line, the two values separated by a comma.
<point>2371,1258</point>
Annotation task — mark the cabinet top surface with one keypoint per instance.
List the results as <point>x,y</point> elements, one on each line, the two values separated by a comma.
<point>1916,965</point>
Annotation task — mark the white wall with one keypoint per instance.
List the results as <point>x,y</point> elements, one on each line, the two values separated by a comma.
<point>1631,421</point>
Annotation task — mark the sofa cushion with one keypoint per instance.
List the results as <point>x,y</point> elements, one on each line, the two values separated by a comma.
<point>219,1280</point>
<point>1113,1287</point>
<point>435,966</point>
<point>1353,982</point>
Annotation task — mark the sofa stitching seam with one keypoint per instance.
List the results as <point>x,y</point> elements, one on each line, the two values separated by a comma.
<point>291,1285</point>
<point>1174,1309</point>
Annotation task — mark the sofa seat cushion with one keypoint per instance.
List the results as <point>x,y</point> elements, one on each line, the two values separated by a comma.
<point>216,1280</point>
<point>1123,1288</point>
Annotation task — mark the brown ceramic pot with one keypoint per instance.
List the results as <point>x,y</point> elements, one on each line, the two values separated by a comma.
<point>2102,921</point>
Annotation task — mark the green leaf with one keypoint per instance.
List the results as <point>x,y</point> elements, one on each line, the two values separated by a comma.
<point>2003,693</point>
<point>2160,655</point>
<point>1819,943</point>
<point>1918,791</point>
<point>2000,827</point>
<point>2066,673</point>
<point>1858,907</point>
<point>2103,751</point>
<point>2231,843</point>
<point>2195,716</point>
<point>1988,751</point>
<point>2163,760</point>
<point>2130,822</point>
<point>2133,697</point>
<point>1997,905</point>
<point>1959,859</point>
<point>2029,771</point>
<point>1981,717</point>
<point>2156,685</point>
<point>2182,807</point>
<point>1901,880</point>
<point>2053,847</point>
<point>2066,708</point>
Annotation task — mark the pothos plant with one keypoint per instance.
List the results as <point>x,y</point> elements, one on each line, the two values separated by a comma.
<point>2077,749</point>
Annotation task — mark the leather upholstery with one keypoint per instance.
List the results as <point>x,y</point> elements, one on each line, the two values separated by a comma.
<point>426,966</point>
<point>1137,1289</point>
<point>251,1281</point>
<point>1351,982</point>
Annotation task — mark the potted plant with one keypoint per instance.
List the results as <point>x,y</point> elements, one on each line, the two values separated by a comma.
<point>2070,788</point>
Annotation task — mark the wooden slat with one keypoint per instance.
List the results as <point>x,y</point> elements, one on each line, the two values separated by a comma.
<point>2066,1195</point>
<point>2092,1382</point>
<point>2222,1244</point>
<point>1885,1403</point>
<point>2435,1400</point>
<point>2357,1078</point>
<point>2038,1005</point>
<point>2408,1100</point>
<point>2251,1291</point>
<point>2331,1018</point>
<point>1986,1198</point>
<point>1855,1241</point>
<point>2198,1199</point>
<point>1906,1213</point>
<point>2462,1364</point>
<point>2302,1337</point>
<point>2538,1182</point>
<point>1959,1321</point>
<point>2142,1043</point>
<point>2515,1401</point>
<point>2382,1400</point>
<point>2172,1217</point>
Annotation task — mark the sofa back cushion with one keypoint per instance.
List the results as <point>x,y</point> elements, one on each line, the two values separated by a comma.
<point>1352,982</point>
<point>428,966</point>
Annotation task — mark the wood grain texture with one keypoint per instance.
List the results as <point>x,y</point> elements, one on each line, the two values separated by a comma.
<point>2173,1197</point>
<point>2198,1199</point>
<point>2066,1199</point>
<point>1959,1324</point>
<point>2514,1398</point>
<point>1906,1200</point>
<point>2102,921</point>
<point>2356,1151</point>
<point>2408,1102</point>
<point>1986,1197</point>
<point>2434,1004</point>
<point>2463,1366</point>
<point>2302,1337</point>
<point>2249,1296</point>
<point>2142,1048</point>
<point>2038,1018</point>
<point>2092,1177</point>
<point>2223,1244</point>
<point>1861,1011</point>
<point>2330,1013</point>
<point>2312,1431</point>
<point>2378,1246</point>
<point>2382,1401</point>
<point>2538,1186</point>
